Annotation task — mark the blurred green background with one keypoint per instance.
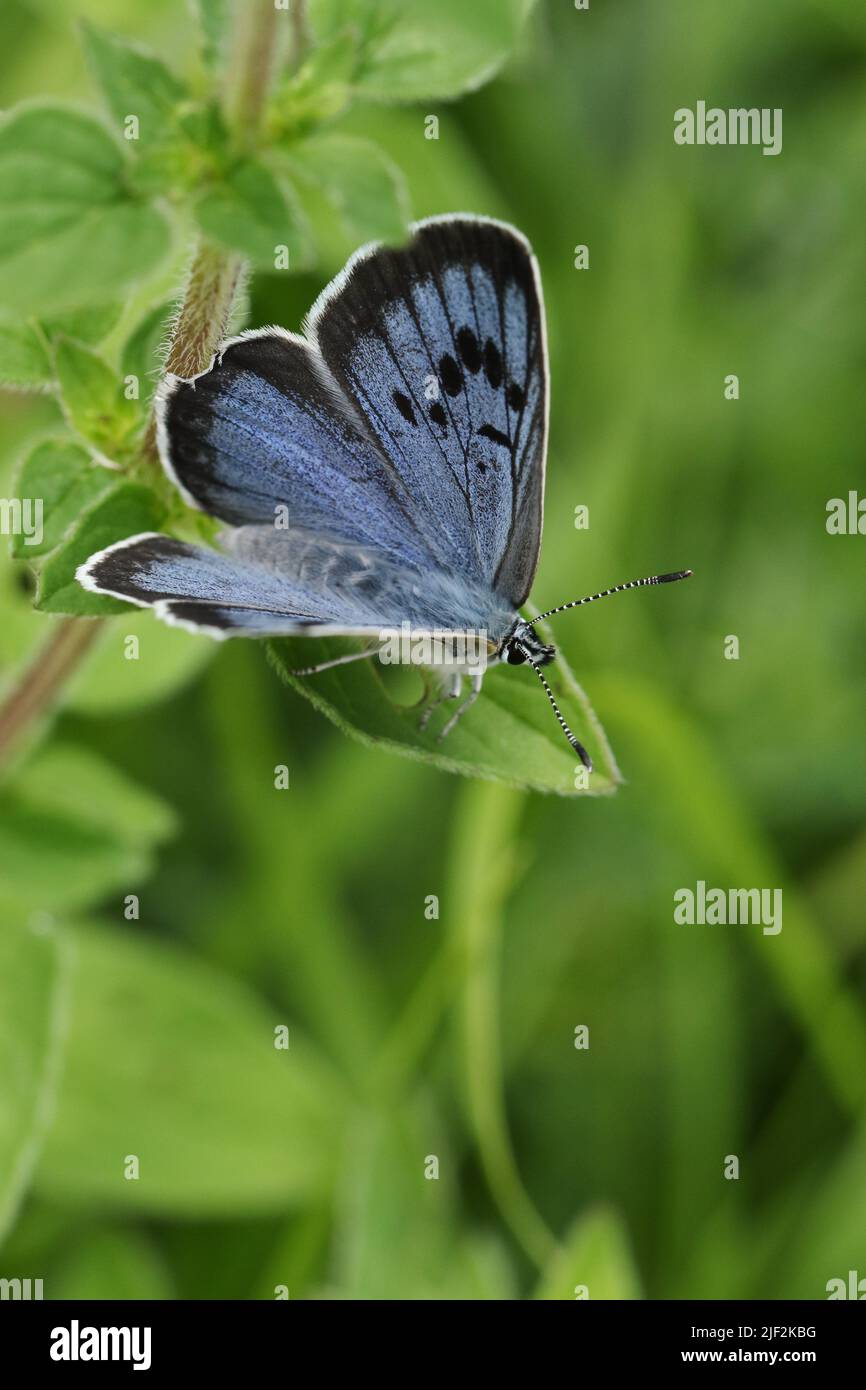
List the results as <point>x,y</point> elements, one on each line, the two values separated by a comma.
<point>412,1036</point>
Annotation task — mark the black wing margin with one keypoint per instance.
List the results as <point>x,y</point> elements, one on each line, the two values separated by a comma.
<point>440,345</point>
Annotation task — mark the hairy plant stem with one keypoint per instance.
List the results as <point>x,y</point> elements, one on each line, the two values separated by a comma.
<point>200,325</point>
<point>201,322</point>
<point>40,684</point>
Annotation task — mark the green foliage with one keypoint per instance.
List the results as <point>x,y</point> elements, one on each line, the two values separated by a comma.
<point>510,736</point>
<point>595,1257</point>
<point>75,829</point>
<point>249,212</point>
<point>25,362</point>
<point>94,399</point>
<point>220,1120</point>
<point>411,51</point>
<point>363,188</point>
<point>126,509</point>
<point>111,1263</point>
<point>319,92</point>
<point>89,323</point>
<point>394,1212</point>
<point>144,349</point>
<point>134,83</point>
<point>213,16</point>
<point>25,356</point>
<point>168,660</point>
<point>70,228</point>
<point>62,475</point>
<point>432,943</point>
<point>32,968</point>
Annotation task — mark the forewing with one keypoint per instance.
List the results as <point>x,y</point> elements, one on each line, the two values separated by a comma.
<point>441,347</point>
<point>265,429</point>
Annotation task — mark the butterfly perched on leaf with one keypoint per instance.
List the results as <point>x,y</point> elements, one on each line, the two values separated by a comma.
<point>383,472</point>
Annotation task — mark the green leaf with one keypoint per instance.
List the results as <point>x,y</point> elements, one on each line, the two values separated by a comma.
<point>25,362</point>
<point>213,18</point>
<point>94,400</point>
<point>412,50</point>
<point>360,183</point>
<point>249,212</point>
<point>171,1061</point>
<point>510,735</point>
<point>400,1236</point>
<point>70,231</point>
<point>33,969</point>
<point>595,1255</point>
<point>136,83</point>
<point>74,829</point>
<point>63,475</point>
<point>708,812</point>
<point>144,350</point>
<point>168,659</point>
<point>109,1264</point>
<point>126,510</point>
<point>89,324</point>
<point>40,1228</point>
<point>319,92</point>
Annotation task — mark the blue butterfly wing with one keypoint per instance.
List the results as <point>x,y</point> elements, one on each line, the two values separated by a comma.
<point>266,428</point>
<point>407,444</point>
<point>154,570</point>
<point>441,347</point>
<point>267,582</point>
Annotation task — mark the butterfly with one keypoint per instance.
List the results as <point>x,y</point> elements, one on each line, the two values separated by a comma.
<point>386,468</point>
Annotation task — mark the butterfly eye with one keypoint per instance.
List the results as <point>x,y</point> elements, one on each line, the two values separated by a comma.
<point>514,655</point>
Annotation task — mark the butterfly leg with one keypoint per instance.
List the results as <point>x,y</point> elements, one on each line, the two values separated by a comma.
<point>461,709</point>
<point>450,691</point>
<point>337,661</point>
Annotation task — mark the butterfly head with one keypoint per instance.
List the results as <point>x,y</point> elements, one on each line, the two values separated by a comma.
<point>521,644</point>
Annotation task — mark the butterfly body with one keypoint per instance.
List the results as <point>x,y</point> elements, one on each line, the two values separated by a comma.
<point>386,468</point>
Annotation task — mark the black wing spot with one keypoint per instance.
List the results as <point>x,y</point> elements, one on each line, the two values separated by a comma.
<point>516,396</point>
<point>404,405</point>
<point>450,375</point>
<point>493,364</point>
<point>482,467</point>
<point>470,352</point>
<point>438,416</point>
<point>491,432</point>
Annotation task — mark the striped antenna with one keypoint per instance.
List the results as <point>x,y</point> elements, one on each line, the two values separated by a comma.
<point>617,589</point>
<point>575,743</point>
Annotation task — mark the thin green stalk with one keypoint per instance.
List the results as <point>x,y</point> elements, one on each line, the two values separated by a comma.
<point>254,42</point>
<point>417,1024</point>
<point>482,869</point>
